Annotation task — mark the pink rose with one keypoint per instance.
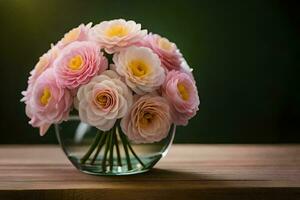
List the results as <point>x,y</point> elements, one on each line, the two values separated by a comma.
<point>78,63</point>
<point>48,103</point>
<point>180,90</point>
<point>117,34</point>
<point>148,120</point>
<point>103,100</point>
<point>141,69</point>
<point>167,51</point>
<point>80,33</point>
<point>45,62</point>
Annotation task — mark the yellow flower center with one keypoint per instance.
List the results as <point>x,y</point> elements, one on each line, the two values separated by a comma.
<point>139,68</point>
<point>71,36</point>
<point>75,63</point>
<point>116,31</point>
<point>45,97</point>
<point>183,91</point>
<point>165,44</point>
<point>146,119</point>
<point>101,100</point>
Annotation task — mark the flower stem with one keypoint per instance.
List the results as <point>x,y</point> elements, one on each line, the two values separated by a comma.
<point>131,149</point>
<point>111,151</point>
<point>91,149</point>
<point>125,149</point>
<point>106,151</point>
<point>117,148</point>
<point>108,140</point>
<point>100,145</point>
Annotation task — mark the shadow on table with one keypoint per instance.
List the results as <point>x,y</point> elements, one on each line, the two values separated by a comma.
<point>164,174</point>
<point>153,175</point>
<point>156,174</point>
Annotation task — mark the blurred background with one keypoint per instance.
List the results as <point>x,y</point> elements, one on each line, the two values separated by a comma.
<point>245,56</point>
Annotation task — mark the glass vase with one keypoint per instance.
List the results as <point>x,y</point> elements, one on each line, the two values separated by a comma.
<point>108,153</point>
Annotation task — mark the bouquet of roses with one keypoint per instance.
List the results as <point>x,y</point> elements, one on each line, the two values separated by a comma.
<point>114,74</point>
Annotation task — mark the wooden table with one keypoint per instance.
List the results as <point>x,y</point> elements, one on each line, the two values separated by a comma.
<point>188,172</point>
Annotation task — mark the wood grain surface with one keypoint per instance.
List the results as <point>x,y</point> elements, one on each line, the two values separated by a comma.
<point>187,172</point>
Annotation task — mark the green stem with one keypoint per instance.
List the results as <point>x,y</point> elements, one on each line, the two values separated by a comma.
<point>111,151</point>
<point>130,148</point>
<point>105,152</point>
<point>132,151</point>
<point>126,150</point>
<point>100,145</point>
<point>91,149</point>
<point>117,148</point>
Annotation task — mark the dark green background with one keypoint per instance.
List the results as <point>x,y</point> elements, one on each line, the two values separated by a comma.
<point>244,55</point>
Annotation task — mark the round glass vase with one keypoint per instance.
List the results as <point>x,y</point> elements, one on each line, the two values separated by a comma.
<point>108,153</point>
